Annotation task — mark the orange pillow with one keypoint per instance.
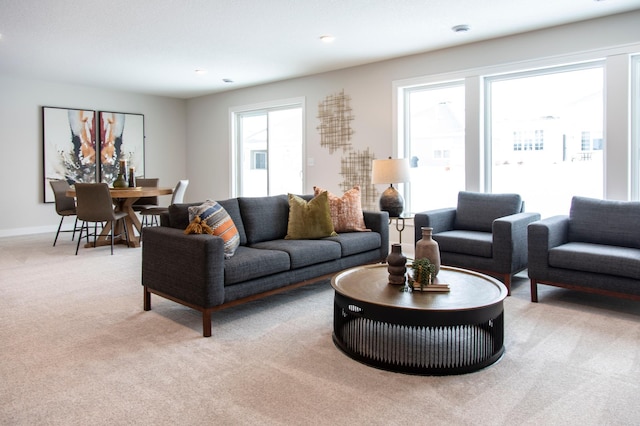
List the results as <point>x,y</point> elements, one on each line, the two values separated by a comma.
<point>346,211</point>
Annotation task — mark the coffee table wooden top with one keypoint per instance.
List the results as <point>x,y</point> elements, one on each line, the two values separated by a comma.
<point>469,290</point>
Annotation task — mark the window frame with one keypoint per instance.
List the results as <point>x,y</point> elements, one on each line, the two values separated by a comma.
<point>235,147</point>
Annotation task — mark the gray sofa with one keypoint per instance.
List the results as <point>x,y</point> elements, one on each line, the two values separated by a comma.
<point>192,269</point>
<point>484,232</point>
<point>596,249</point>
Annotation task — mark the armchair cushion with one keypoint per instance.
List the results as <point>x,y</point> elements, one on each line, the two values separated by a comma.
<point>477,211</point>
<point>605,222</point>
<point>466,242</point>
<point>597,258</point>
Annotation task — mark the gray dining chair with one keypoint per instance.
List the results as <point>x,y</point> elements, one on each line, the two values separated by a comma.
<point>65,206</point>
<point>150,216</point>
<point>94,204</point>
<point>144,203</point>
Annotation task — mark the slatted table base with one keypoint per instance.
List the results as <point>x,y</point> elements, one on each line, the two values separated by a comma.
<point>414,342</point>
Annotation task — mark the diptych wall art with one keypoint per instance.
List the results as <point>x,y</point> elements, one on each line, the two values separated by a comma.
<point>69,146</point>
<point>120,135</point>
<point>74,151</point>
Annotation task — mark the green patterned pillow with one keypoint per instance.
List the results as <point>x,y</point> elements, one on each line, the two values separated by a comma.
<point>309,220</point>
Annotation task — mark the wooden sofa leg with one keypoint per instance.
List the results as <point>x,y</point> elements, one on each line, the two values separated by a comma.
<point>147,299</point>
<point>534,290</point>
<point>507,283</point>
<point>206,323</point>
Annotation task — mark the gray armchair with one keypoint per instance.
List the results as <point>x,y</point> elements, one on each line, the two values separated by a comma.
<point>594,249</point>
<point>485,232</point>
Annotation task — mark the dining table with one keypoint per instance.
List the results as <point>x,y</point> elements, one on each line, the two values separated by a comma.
<point>123,199</point>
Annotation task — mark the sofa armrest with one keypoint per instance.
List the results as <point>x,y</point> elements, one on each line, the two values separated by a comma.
<point>440,220</point>
<point>379,222</point>
<point>187,267</point>
<point>544,235</point>
<point>510,240</point>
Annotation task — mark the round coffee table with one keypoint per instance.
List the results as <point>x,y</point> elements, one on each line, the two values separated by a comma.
<point>428,333</point>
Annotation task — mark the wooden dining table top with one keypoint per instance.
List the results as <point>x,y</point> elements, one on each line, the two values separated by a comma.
<point>138,192</point>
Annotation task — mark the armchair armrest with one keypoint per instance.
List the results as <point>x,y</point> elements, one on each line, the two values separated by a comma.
<point>440,220</point>
<point>187,267</point>
<point>510,240</point>
<point>544,235</point>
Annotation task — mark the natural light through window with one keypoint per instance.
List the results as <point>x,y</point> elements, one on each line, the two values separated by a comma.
<point>434,143</point>
<point>545,136</point>
<point>269,146</point>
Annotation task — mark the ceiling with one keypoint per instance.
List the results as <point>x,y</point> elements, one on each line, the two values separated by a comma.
<point>155,46</point>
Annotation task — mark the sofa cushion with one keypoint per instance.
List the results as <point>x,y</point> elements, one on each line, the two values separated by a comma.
<point>304,252</point>
<point>346,211</point>
<point>264,218</point>
<point>605,222</point>
<point>309,219</point>
<point>473,243</point>
<point>357,242</point>
<point>476,211</point>
<point>179,215</point>
<point>219,222</point>
<point>597,258</point>
<point>251,263</point>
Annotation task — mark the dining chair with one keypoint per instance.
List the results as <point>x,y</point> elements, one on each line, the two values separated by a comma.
<point>65,206</point>
<point>150,216</point>
<point>94,204</point>
<point>144,203</point>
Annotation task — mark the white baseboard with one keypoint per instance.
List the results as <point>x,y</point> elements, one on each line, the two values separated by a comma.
<point>30,231</point>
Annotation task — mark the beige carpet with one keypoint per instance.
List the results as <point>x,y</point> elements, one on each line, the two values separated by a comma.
<point>77,349</point>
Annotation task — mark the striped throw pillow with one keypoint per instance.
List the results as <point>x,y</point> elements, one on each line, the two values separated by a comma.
<point>217,218</point>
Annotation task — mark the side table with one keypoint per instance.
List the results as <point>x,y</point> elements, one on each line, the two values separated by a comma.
<point>400,223</point>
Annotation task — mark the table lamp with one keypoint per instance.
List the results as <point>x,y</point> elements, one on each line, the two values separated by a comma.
<point>391,171</point>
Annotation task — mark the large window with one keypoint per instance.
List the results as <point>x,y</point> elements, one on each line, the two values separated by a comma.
<point>269,150</point>
<point>635,126</point>
<point>544,135</point>
<point>434,142</point>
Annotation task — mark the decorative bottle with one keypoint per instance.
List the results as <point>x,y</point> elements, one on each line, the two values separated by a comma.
<point>132,177</point>
<point>427,248</point>
<point>396,265</point>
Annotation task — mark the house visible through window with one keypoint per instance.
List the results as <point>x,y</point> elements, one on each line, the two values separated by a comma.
<point>548,148</point>
<point>434,141</point>
<point>259,160</point>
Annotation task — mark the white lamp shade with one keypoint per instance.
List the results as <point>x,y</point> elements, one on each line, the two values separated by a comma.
<point>390,171</point>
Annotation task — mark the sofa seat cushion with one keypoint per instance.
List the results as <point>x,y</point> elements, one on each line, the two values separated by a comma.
<point>357,242</point>
<point>473,243</point>
<point>251,263</point>
<point>597,258</point>
<point>605,222</point>
<point>304,252</point>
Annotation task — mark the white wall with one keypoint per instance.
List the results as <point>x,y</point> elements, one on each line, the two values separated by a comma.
<point>23,210</point>
<point>192,138</point>
<point>372,100</point>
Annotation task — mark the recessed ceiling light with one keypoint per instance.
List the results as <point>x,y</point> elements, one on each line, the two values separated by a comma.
<point>200,71</point>
<point>460,28</point>
<point>227,80</point>
<point>327,38</point>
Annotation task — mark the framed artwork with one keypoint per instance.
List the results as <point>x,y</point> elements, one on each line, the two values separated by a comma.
<point>121,136</point>
<point>69,146</point>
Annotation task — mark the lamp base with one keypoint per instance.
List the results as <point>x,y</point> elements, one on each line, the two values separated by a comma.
<point>392,202</point>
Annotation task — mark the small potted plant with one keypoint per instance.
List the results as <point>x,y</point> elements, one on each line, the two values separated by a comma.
<point>423,272</point>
